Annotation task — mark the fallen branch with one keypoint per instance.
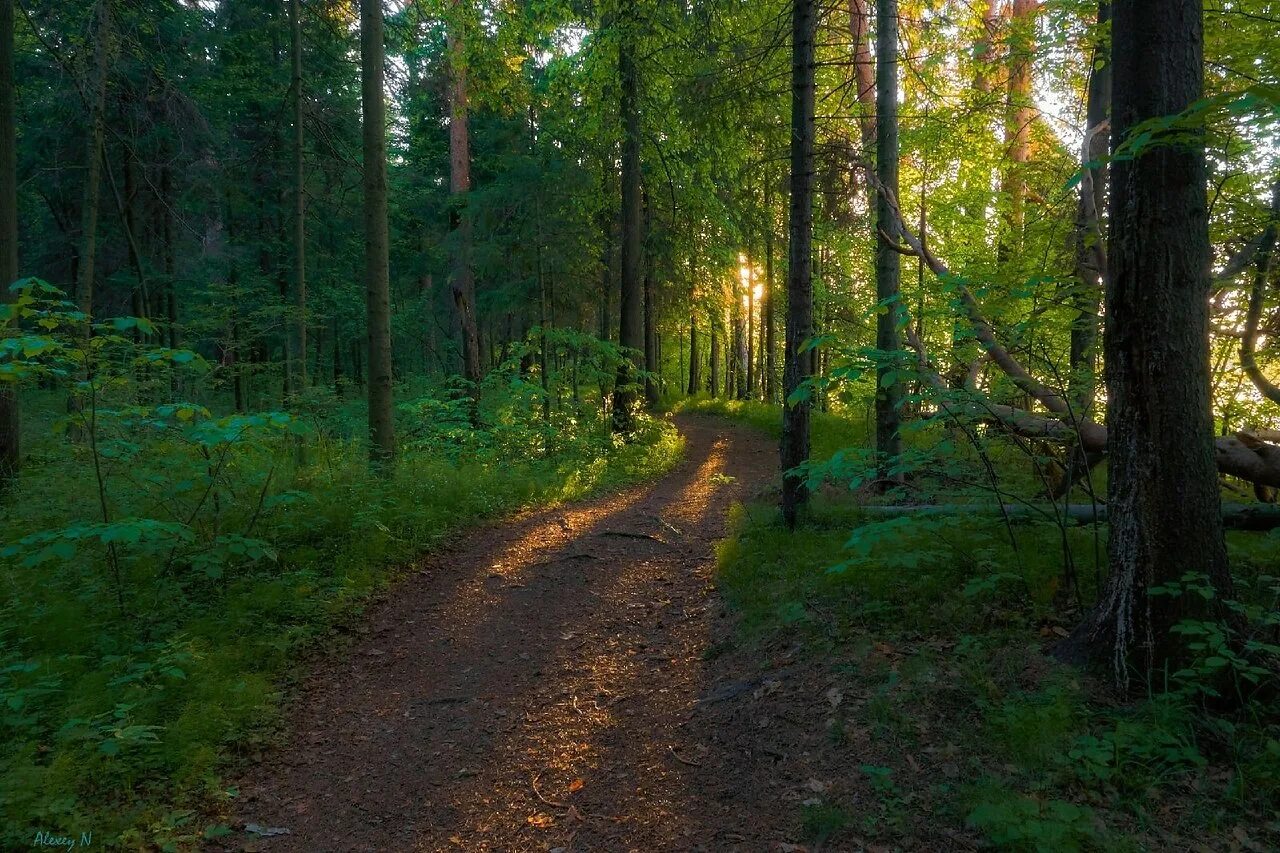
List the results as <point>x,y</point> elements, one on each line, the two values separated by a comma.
<point>676,756</point>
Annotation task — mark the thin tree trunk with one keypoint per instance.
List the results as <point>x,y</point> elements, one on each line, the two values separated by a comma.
<point>1086,296</point>
<point>798,366</point>
<point>888,263</point>
<point>169,261</point>
<point>382,441</point>
<point>10,420</point>
<point>606,255</point>
<point>631,313</point>
<point>987,49</point>
<point>1018,120</point>
<point>767,310</point>
<point>695,380</point>
<point>713,368</point>
<point>864,71</point>
<point>462,282</point>
<point>739,356</point>
<point>137,298</point>
<point>299,201</point>
<point>1163,496</point>
<point>751,330</point>
<point>93,163</point>
<point>651,352</point>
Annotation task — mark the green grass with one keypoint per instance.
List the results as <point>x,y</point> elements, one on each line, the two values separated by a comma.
<point>122,724</point>
<point>936,630</point>
<point>830,432</point>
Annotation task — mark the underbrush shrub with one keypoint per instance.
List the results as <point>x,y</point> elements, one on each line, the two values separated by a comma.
<point>164,572</point>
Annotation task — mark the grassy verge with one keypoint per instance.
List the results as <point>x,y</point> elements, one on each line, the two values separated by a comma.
<point>953,721</point>
<point>123,699</point>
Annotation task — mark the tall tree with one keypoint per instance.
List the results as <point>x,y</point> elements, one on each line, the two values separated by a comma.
<point>462,276</point>
<point>299,372</point>
<point>1090,256</point>
<point>1019,118</point>
<point>766,309</point>
<point>798,365</point>
<point>10,422</point>
<point>631,311</point>
<point>888,265</point>
<point>713,364</point>
<point>1163,497</point>
<point>382,440</point>
<point>97,93</point>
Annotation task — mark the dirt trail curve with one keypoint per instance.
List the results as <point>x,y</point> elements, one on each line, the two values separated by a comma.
<point>544,684</point>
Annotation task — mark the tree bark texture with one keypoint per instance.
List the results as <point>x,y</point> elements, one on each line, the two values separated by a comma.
<point>382,443</point>
<point>798,366</point>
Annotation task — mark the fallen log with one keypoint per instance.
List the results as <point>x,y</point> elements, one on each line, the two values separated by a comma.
<point>1235,516</point>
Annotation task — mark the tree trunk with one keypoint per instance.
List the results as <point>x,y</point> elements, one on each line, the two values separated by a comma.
<point>462,282</point>
<point>751,331</point>
<point>987,48</point>
<point>1086,297</point>
<point>713,357</point>
<point>864,71</point>
<point>652,360</point>
<point>1021,113</point>
<point>1163,486</point>
<point>93,163</point>
<point>739,356</point>
<point>767,309</point>
<point>382,441</point>
<point>606,253</point>
<point>299,202</point>
<point>798,366</point>
<point>888,264</point>
<point>631,312</point>
<point>10,422</point>
<point>695,379</point>
<point>695,355</point>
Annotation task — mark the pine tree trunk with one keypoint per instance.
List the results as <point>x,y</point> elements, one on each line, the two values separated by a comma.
<point>651,349</point>
<point>1163,484</point>
<point>751,332</point>
<point>767,309</point>
<point>713,368</point>
<point>299,202</point>
<point>10,421</point>
<point>888,264</point>
<point>462,282</point>
<point>631,313</point>
<point>695,380</point>
<point>382,442</point>
<point>797,366</point>
<point>93,163</point>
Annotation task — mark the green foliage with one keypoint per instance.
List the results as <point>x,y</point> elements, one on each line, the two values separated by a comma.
<point>165,568</point>
<point>1017,822</point>
<point>942,623</point>
<point>820,821</point>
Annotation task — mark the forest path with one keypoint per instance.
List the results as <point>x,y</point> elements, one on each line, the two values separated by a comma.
<point>545,684</point>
